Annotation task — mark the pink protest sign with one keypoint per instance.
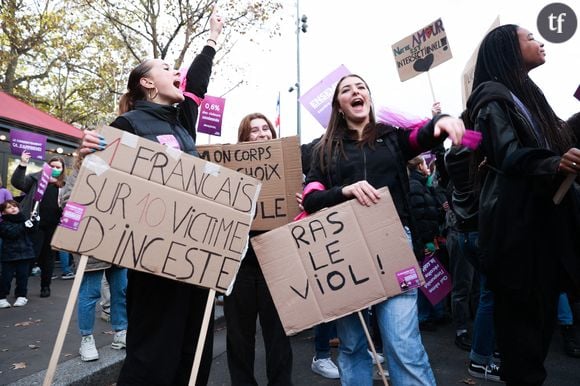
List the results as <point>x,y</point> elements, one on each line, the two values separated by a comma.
<point>72,215</point>
<point>45,175</point>
<point>437,279</point>
<point>318,99</point>
<point>210,115</point>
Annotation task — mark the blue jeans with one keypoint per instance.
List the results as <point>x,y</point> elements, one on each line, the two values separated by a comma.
<point>565,316</point>
<point>407,360</point>
<point>483,341</point>
<point>65,262</point>
<point>90,293</point>
<point>322,334</point>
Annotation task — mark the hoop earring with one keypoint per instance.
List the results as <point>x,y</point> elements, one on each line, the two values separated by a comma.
<point>149,93</point>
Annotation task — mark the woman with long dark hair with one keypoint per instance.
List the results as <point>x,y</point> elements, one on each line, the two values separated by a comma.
<point>164,315</point>
<point>529,245</point>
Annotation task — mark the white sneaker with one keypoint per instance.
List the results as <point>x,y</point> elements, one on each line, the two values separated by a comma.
<point>4,303</point>
<point>88,349</point>
<point>325,367</point>
<point>377,374</point>
<point>119,340</point>
<point>20,301</point>
<point>381,357</point>
<point>106,316</point>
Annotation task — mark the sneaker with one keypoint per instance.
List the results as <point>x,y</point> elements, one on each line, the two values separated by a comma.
<point>489,372</point>
<point>45,292</point>
<point>377,374</point>
<point>20,301</point>
<point>381,357</point>
<point>88,349</point>
<point>463,341</point>
<point>4,303</point>
<point>67,276</point>
<point>119,340</point>
<point>35,271</point>
<point>325,367</point>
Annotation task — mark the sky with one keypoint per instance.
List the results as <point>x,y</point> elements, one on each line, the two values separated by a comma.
<point>359,35</point>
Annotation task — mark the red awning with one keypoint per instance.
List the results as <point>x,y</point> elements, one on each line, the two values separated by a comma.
<point>18,111</point>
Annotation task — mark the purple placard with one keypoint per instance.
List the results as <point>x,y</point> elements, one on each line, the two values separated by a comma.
<point>210,116</point>
<point>577,93</point>
<point>318,99</point>
<point>72,215</point>
<point>43,182</point>
<point>408,279</point>
<point>437,279</point>
<point>169,140</point>
<point>33,143</point>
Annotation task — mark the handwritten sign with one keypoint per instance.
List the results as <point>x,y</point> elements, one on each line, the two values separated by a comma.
<point>211,115</point>
<point>155,209</point>
<point>422,50</point>
<point>437,280</point>
<point>276,164</point>
<point>318,100</point>
<point>336,262</point>
<point>33,143</point>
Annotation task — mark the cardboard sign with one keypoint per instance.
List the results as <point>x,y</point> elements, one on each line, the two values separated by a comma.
<point>318,100</point>
<point>210,115</point>
<point>153,208</point>
<point>422,50</point>
<point>469,70</point>
<point>336,262</point>
<point>437,280</point>
<point>277,164</point>
<point>33,143</point>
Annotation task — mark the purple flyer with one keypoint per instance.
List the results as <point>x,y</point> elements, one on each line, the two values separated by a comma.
<point>318,99</point>
<point>72,215</point>
<point>437,280</point>
<point>408,279</point>
<point>43,182</point>
<point>210,116</point>
<point>33,143</point>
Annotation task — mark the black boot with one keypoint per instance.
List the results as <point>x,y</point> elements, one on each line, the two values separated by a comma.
<point>44,292</point>
<point>571,346</point>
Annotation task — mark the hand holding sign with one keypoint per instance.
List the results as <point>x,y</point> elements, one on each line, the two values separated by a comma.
<point>24,158</point>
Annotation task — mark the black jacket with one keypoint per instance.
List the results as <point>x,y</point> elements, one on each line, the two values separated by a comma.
<point>424,208</point>
<point>383,165</point>
<point>16,240</point>
<point>522,233</point>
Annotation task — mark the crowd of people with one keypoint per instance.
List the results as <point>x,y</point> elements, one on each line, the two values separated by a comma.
<point>487,213</point>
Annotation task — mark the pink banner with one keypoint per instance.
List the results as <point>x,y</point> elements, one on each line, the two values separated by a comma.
<point>43,182</point>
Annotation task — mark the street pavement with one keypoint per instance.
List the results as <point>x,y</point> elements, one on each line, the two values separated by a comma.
<point>27,336</point>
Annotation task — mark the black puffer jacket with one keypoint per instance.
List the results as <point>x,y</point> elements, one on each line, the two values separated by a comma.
<point>383,165</point>
<point>424,208</point>
<point>16,240</point>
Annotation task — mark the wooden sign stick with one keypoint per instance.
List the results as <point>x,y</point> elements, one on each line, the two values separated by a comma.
<point>431,87</point>
<point>201,339</point>
<point>70,305</point>
<point>563,189</point>
<point>372,346</point>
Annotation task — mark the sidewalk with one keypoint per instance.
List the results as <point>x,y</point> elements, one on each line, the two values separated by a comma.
<point>27,336</point>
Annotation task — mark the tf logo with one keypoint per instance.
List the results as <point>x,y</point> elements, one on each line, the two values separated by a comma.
<point>557,22</point>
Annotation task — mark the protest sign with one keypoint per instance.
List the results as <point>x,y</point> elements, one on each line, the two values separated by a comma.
<point>422,50</point>
<point>210,115</point>
<point>469,70</point>
<point>150,207</point>
<point>437,279</point>
<point>45,175</point>
<point>337,261</point>
<point>33,143</point>
<point>277,164</point>
<point>318,99</point>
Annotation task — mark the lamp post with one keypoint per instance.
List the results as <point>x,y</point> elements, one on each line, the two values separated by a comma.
<point>301,26</point>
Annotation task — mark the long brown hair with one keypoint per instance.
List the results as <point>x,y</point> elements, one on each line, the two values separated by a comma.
<point>135,91</point>
<point>245,127</point>
<point>60,180</point>
<point>337,129</point>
